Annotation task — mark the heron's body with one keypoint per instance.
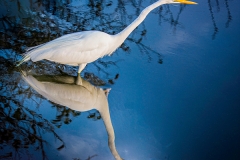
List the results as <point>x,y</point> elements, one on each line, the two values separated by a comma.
<point>78,49</point>
<point>74,49</point>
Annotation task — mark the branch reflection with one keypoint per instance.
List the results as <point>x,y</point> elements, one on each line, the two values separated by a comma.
<point>229,16</point>
<point>77,94</point>
<point>21,127</point>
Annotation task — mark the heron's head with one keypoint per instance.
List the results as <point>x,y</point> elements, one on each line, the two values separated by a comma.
<point>183,1</point>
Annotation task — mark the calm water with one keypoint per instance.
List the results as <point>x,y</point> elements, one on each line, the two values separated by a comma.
<point>175,82</point>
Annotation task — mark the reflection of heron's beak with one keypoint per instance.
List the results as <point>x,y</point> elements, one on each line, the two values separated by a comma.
<point>185,1</point>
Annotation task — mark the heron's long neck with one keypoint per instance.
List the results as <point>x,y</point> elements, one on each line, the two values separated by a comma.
<point>125,33</point>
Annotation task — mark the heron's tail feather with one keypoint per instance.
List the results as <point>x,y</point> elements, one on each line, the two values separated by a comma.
<point>26,56</point>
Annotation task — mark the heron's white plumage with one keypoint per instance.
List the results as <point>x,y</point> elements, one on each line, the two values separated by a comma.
<point>74,48</point>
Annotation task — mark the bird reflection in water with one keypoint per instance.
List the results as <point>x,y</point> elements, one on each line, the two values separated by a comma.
<point>77,94</point>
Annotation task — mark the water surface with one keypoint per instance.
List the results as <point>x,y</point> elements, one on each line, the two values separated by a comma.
<point>175,82</point>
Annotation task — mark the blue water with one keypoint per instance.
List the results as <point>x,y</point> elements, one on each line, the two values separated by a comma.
<point>180,101</point>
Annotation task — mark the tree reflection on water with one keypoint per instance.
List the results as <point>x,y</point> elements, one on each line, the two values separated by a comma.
<point>229,16</point>
<point>21,127</point>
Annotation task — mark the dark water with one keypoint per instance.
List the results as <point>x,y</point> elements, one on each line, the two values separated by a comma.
<point>175,82</point>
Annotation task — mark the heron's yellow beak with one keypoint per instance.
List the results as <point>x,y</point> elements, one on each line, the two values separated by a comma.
<point>185,2</point>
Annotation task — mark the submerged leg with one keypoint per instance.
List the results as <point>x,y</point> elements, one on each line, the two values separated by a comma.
<point>81,67</point>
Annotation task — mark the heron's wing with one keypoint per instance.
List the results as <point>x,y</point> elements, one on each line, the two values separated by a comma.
<point>69,47</point>
<point>66,40</point>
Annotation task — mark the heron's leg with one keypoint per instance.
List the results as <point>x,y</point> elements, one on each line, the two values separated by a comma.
<point>81,67</point>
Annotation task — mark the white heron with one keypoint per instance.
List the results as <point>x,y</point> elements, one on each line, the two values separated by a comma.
<point>81,48</point>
